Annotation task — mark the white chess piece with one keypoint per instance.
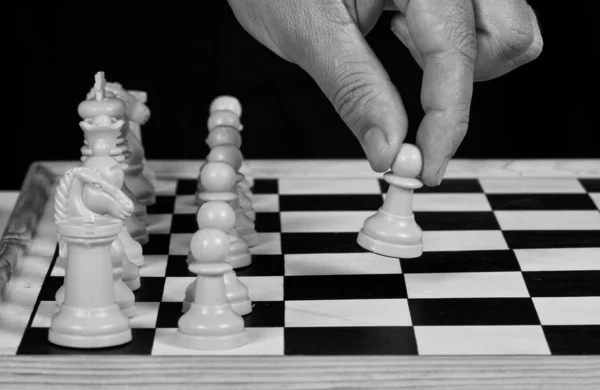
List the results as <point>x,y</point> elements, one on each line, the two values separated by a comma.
<point>392,230</point>
<point>210,323</point>
<point>219,215</point>
<point>218,179</point>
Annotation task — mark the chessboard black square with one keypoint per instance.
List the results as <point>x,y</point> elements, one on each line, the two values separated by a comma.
<point>266,314</point>
<point>591,185</point>
<point>330,287</point>
<point>563,283</point>
<point>158,244</point>
<point>35,342</point>
<point>544,239</point>
<point>177,266</point>
<point>186,187</point>
<point>467,261</point>
<point>473,312</point>
<point>267,222</point>
<point>163,205</point>
<point>395,340</point>
<point>263,265</point>
<point>573,339</point>
<point>265,186</point>
<point>169,314</point>
<point>151,289</point>
<point>457,220</point>
<point>502,202</point>
<point>184,223</point>
<point>332,202</point>
<point>447,186</point>
<point>50,287</point>
<point>304,243</point>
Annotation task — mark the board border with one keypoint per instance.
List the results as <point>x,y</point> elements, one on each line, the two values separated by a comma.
<point>284,371</point>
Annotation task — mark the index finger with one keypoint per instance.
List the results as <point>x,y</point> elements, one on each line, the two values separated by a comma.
<point>444,34</point>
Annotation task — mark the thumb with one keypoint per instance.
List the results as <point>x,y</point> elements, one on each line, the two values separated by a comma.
<point>353,79</point>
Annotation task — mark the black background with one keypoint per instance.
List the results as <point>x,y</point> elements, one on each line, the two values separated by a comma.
<point>185,55</point>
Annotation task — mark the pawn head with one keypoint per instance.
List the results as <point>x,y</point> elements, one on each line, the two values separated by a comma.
<point>218,176</point>
<point>210,246</point>
<point>216,215</point>
<point>228,154</point>
<point>223,135</point>
<point>226,103</point>
<point>409,161</point>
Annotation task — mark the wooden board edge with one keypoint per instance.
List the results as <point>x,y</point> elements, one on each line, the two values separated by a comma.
<point>23,221</point>
<point>306,372</point>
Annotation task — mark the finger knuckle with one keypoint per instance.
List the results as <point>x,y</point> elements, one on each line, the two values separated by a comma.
<point>354,93</point>
<point>516,39</point>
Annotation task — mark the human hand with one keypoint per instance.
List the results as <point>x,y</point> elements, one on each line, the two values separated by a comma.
<point>456,42</point>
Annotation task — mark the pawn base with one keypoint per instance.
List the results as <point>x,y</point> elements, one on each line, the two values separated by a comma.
<point>212,343</point>
<point>104,341</point>
<point>133,284</point>
<point>242,307</point>
<point>251,237</point>
<point>389,249</point>
<point>239,261</point>
<point>142,239</point>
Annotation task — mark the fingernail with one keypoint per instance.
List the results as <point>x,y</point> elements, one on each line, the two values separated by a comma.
<point>375,145</point>
<point>442,171</point>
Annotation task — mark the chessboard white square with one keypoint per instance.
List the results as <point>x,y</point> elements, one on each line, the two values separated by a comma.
<point>265,203</point>
<point>466,285</point>
<point>328,186</point>
<point>340,264</point>
<point>159,223</point>
<point>165,187</point>
<point>263,288</point>
<point>323,221</point>
<point>261,341</point>
<point>524,185</point>
<point>568,310</point>
<point>180,243</point>
<point>347,313</point>
<point>145,315</point>
<point>44,313</point>
<point>548,220</point>
<point>464,240</point>
<point>450,202</point>
<point>481,340</point>
<point>268,244</point>
<point>185,204</point>
<point>174,289</point>
<point>559,259</point>
<point>596,198</point>
<point>154,266</point>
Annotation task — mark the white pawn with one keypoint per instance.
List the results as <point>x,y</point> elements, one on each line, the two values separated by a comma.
<point>210,323</point>
<point>218,181</point>
<point>392,230</point>
<point>233,156</point>
<point>219,215</point>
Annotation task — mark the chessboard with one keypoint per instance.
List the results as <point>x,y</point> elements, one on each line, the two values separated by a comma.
<point>511,266</point>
